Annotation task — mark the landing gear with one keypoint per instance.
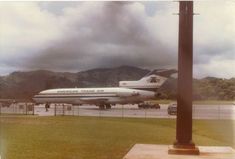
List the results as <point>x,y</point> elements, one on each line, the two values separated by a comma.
<point>108,106</point>
<point>104,106</point>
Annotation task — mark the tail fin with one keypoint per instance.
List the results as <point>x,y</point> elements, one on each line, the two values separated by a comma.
<point>152,81</point>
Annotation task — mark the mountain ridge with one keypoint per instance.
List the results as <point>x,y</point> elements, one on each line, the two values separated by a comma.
<point>23,85</point>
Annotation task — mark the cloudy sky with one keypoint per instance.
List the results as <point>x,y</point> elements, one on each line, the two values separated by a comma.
<point>75,36</point>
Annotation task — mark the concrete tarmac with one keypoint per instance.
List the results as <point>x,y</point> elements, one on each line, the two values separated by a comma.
<point>199,111</point>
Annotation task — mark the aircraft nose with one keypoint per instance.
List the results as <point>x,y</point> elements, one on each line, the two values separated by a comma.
<point>34,98</point>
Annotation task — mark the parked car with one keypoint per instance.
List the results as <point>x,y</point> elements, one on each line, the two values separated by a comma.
<point>172,109</point>
<point>149,105</point>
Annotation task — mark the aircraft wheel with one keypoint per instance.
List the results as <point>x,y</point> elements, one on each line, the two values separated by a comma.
<point>102,107</point>
<point>108,106</point>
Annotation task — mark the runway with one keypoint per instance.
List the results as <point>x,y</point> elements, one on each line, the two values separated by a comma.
<point>199,111</point>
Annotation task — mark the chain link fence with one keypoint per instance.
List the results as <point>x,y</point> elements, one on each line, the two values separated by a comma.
<point>17,108</point>
<point>199,111</point>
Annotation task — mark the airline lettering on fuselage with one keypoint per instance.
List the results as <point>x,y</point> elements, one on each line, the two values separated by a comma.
<point>82,91</point>
<point>67,91</point>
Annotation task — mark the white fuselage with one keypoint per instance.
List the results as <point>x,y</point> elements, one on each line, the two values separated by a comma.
<point>97,96</point>
<point>128,92</point>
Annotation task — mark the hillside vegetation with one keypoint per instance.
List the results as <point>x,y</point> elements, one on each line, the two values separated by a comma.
<point>26,84</point>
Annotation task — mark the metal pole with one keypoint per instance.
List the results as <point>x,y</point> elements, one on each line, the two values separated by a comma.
<point>63,109</point>
<point>26,108</point>
<point>184,100</point>
<point>145,112</point>
<point>55,109</point>
<point>184,144</point>
<point>122,111</point>
<point>219,110</point>
<point>99,112</point>
<point>73,106</point>
<point>78,110</point>
<point>33,108</point>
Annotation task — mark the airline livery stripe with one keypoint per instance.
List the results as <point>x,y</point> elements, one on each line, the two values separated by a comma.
<point>77,93</point>
<point>72,96</point>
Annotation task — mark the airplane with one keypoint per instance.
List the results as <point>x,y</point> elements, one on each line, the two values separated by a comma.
<point>128,92</point>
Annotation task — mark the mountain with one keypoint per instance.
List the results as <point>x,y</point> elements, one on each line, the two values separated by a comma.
<point>109,76</point>
<point>26,84</point>
<point>23,85</point>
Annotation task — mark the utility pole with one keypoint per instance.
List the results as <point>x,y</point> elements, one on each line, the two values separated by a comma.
<point>184,144</point>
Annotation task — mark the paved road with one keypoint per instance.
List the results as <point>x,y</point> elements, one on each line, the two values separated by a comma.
<point>199,111</point>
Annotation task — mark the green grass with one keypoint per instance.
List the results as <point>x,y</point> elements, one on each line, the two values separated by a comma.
<point>97,138</point>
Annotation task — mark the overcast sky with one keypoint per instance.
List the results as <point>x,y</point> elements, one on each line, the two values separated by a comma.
<point>75,36</point>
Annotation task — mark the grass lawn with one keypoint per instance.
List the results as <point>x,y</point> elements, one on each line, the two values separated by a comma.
<point>97,138</point>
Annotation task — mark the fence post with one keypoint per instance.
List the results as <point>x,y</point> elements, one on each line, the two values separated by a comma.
<point>194,111</point>
<point>122,111</point>
<point>78,110</point>
<point>33,108</point>
<point>0,108</point>
<point>26,108</point>
<point>219,110</point>
<point>14,109</point>
<point>145,112</point>
<point>55,109</point>
<point>63,108</point>
<point>73,109</point>
<point>99,112</point>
